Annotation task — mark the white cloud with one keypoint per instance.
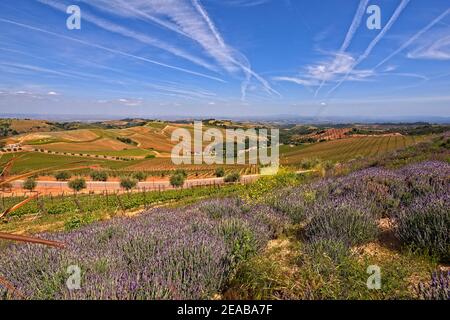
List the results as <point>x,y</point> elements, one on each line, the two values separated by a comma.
<point>28,94</point>
<point>330,71</point>
<point>143,38</point>
<point>130,102</point>
<point>356,22</point>
<point>414,37</point>
<point>303,82</point>
<point>398,11</point>
<point>434,50</point>
<point>190,19</point>
<point>389,68</point>
<point>110,50</point>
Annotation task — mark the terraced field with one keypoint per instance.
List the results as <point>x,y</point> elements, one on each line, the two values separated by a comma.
<point>347,149</point>
<point>154,137</point>
<point>30,161</point>
<point>166,165</point>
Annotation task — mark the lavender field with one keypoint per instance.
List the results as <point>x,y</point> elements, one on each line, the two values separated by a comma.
<point>198,252</point>
<point>163,254</point>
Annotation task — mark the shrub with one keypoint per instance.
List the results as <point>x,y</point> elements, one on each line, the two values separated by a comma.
<point>99,176</point>
<point>181,172</point>
<point>219,208</point>
<point>140,176</point>
<point>239,238</point>
<point>30,184</point>
<point>425,226</point>
<point>437,289</point>
<point>6,186</point>
<point>292,202</point>
<point>177,180</point>
<point>127,141</point>
<point>128,183</point>
<point>77,222</point>
<point>260,278</point>
<point>164,254</point>
<point>63,176</point>
<point>264,186</point>
<point>150,156</point>
<point>220,172</point>
<point>232,177</point>
<point>348,222</point>
<point>77,185</point>
<point>308,164</point>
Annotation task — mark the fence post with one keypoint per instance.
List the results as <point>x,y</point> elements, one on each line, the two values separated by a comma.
<point>145,199</point>
<point>120,203</point>
<point>40,202</point>
<point>78,204</point>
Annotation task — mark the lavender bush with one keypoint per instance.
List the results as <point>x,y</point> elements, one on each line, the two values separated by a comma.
<point>349,221</point>
<point>293,202</point>
<point>164,254</point>
<point>425,225</point>
<point>437,289</point>
<point>346,208</point>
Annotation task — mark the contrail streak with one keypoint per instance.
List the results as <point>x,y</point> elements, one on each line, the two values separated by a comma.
<point>245,68</point>
<point>350,33</point>
<point>125,54</point>
<point>374,42</point>
<point>414,38</point>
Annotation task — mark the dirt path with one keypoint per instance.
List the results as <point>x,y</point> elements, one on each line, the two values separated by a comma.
<point>59,187</point>
<point>47,187</point>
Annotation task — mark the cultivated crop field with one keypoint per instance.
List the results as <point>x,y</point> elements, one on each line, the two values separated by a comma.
<point>347,149</point>
<point>31,161</point>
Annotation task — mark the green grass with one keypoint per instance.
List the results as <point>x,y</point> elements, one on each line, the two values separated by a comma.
<point>288,270</point>
<point>41,142</point>
<point>288,149</point>
<point>62,212</point>
<point>157,125</point>
<point>30,161</point>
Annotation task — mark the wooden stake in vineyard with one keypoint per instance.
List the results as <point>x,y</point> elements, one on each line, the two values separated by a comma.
<point>11,237</point>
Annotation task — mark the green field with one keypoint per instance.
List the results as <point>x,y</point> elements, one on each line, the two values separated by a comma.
<point>347,149</point>
<point>157,125</point>
<point>67,212</point>
<point>30,161</point>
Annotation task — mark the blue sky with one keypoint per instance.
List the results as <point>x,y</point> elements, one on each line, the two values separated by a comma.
<point>225,58</point>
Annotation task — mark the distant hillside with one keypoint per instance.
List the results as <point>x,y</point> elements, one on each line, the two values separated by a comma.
<point>10,127</point>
